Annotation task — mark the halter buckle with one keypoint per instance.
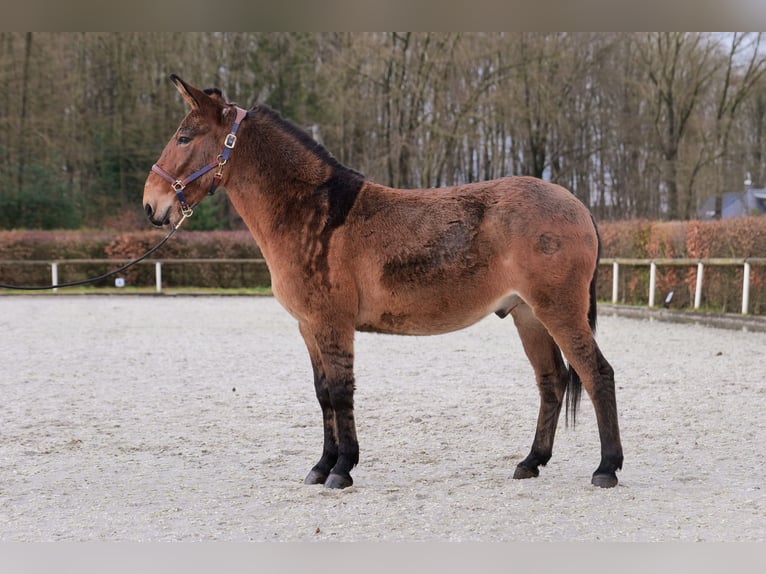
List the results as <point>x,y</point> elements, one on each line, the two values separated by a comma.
<point>230,141</point>
<point>186,211</point>
<point>177,185</point>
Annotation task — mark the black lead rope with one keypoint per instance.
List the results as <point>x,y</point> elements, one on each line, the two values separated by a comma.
<point>100,277</point>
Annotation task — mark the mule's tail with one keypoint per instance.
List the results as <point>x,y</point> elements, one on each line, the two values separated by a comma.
<point>574,385</point>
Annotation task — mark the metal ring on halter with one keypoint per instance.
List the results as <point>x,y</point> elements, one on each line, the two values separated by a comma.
<point>178,186</point>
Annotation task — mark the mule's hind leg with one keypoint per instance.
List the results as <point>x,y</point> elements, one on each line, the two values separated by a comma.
<point>603,397</point>
<point>332,358</point>
<point>575,339</point>
<point>551,376</point>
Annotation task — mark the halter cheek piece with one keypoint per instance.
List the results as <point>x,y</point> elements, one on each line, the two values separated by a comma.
<point>179,185</point>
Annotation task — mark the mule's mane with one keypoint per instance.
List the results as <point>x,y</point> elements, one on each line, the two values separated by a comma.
<point>213,91</point>
<point>301,136</point>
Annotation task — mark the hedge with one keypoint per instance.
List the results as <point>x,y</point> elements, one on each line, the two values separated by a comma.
<point>722,286</point>
<point>61,245</point>
<point>731,238</point>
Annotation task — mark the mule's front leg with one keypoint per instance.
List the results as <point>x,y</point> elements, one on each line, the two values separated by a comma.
<point>341,391</point>
<point>329,457</point>
<point>332,359</point>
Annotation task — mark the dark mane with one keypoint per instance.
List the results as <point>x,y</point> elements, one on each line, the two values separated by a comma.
<point>303,137</point>
<point>213,92</point>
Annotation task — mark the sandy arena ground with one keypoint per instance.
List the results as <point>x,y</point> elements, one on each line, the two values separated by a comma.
<point>194,418</point>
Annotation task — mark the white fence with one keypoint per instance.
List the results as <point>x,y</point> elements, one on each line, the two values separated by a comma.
<point>54,265</point>
<point>746,265</point>
<point>615,263</point>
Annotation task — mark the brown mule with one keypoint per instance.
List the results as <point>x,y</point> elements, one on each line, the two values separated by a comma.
<point>348,254</point>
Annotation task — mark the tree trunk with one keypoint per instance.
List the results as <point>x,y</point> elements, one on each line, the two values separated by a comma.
<point>23,116</point>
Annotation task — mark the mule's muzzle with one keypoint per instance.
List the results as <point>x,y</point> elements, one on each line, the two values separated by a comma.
<point>154,219</point>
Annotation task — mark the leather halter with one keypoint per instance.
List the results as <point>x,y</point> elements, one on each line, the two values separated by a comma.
<point>179,184</point>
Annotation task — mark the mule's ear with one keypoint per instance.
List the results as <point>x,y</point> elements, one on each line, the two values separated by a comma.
<point>194,97</point>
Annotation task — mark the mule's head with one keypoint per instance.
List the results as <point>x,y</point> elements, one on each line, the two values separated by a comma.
<point>196,143</point>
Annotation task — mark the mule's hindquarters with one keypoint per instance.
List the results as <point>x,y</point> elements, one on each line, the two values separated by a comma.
<point>555,321</point>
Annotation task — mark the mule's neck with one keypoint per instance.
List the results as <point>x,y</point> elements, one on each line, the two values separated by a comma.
<point>285,185</point>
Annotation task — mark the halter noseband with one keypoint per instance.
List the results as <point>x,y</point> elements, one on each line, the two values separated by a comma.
<point>179,185</point>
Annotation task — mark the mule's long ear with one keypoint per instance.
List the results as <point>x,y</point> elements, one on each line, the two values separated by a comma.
<point>194,97</point>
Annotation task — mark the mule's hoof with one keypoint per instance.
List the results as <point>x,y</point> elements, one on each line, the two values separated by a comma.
<point>315,477</point>
<point>524,472</point>
<point>338,481</point>
<point>604,480</point>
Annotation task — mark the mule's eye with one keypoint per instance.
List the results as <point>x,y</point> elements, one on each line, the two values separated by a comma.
<point>183,140</point>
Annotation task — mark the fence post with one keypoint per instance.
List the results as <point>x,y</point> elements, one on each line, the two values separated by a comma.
<point>698,286</point>
<point>652,282</point>
<point>54,275</point>
<point>615,281</point>
<point>158,276</point>
<point>746,289</point>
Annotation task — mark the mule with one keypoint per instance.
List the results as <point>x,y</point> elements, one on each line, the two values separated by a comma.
<point>346,254</point>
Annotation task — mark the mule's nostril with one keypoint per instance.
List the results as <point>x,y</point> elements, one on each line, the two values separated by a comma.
<point>149,210</point>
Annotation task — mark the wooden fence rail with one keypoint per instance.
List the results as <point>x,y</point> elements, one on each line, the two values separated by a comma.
<point>745,263</point>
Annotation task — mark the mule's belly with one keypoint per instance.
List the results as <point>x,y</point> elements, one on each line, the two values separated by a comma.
<point>429,316</point>
<point>411,324</point>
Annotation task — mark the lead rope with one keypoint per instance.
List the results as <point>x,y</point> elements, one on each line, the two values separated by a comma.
<point>105,275</point>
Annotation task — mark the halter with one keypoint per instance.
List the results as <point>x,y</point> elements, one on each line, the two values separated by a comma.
<point>179,185</point>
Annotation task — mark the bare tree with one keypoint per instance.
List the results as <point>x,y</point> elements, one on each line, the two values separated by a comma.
<point>680,66</point>
<point>635,124</point>
<point>745,65</point>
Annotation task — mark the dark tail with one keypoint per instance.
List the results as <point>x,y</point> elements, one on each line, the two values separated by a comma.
<point>574,385</point>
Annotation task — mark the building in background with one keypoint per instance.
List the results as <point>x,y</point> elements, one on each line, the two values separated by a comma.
<point>749,201</point>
